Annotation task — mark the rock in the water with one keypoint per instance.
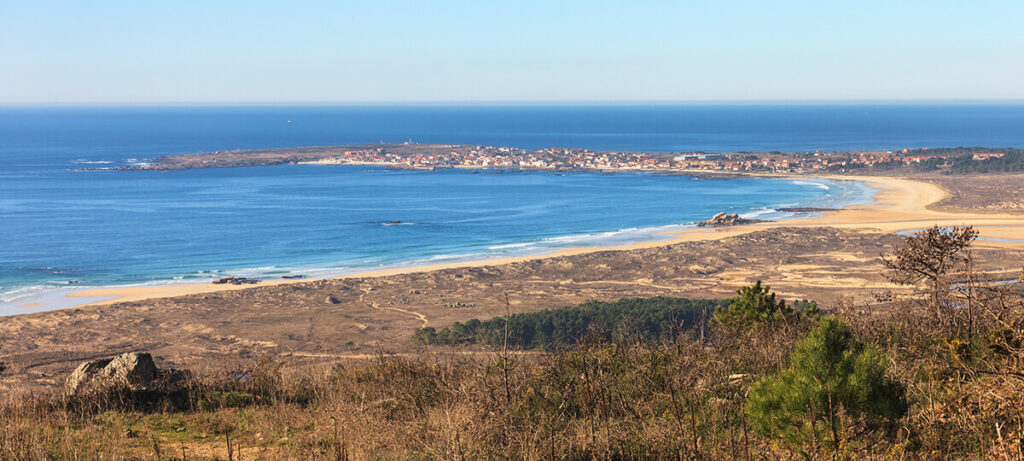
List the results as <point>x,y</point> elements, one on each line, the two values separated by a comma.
<point>133,371</point>
<point>805,209</point>
<point>237,281</point>
<point>723,219</point>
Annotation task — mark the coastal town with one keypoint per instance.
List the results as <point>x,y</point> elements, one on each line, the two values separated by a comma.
<point>411,155</point>
<point>583,159</point>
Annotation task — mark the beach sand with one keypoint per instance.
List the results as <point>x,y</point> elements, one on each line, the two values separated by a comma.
<point>900,204</point>
<point>831,257</point>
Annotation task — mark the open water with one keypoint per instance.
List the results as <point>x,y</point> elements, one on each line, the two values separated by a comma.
<point>66,225</point>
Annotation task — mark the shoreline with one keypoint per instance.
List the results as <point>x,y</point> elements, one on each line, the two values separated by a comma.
<point>898,204</point>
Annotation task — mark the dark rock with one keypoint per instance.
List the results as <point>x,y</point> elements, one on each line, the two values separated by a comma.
<point>236,281</point>
<point>808,209</point>
<point>332,300</point>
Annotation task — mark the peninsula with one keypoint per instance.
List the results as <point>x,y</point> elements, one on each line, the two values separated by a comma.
<point>430,156</point>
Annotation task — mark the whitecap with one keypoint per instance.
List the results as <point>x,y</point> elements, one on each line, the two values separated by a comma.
<point>819,185</point>
<point>509,246</point>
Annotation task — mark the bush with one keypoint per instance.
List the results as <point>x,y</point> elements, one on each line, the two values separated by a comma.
<point>832,379</point>
<point>756,304</point>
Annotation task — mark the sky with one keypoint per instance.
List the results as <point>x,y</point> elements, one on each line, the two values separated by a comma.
<point>228,51</point>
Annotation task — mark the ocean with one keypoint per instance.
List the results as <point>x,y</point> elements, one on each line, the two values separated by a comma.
<point>67,223</point>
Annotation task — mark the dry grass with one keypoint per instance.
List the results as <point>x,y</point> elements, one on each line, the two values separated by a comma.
<point>672,400</point>
<point>958,351</point>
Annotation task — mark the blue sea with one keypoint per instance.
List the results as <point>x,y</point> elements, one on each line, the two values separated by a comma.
<point>67,221</point>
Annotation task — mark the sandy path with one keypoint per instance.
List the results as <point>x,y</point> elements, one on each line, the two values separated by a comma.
<point>418,315</point>
<point>421,317</point>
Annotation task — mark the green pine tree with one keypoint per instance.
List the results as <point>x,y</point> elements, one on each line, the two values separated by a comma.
<point>755,304</point>
<point>833,380</point>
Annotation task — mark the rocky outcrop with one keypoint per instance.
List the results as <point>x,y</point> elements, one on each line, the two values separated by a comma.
<point>805,209</point>
<point>235,281</point>
<point>723,219</point>
<point>133,371</point>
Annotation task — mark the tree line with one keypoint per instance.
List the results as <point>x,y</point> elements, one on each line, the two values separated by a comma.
<point>634,318</point>
<point>629,319</point>
<point>962,160</point>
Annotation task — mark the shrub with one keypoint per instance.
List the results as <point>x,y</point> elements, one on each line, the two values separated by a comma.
<point>755,304</point>
<point>832,379</point>
<point>929,254</point>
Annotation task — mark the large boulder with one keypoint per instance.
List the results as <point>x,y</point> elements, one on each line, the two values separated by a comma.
<point>134,371</point>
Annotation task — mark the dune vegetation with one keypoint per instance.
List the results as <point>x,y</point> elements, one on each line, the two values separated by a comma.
<point>934,375</point>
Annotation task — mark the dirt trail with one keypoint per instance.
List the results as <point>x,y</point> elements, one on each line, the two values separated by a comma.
<point>418,315</point>
<point>628,283</point>
<point>376,306</point>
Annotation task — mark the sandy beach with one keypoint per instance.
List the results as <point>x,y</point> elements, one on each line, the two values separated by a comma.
<point>830,257</point>
<point>899,204</point>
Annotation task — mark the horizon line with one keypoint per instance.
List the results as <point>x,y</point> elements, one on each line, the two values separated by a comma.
<point>695,102</point>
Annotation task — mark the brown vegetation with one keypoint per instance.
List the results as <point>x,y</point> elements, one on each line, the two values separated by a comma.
<point>324,319</point>
<point>674,399</point>
<point>993,193</point>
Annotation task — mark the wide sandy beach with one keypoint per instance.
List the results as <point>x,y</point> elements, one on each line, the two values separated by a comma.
<point>899,204</point>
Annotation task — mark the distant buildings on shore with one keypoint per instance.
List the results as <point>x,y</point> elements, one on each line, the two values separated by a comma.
<point>567,158</point>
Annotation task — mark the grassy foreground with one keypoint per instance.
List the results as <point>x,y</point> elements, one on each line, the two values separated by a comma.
<point>749,384</point>
<point>681,399</point>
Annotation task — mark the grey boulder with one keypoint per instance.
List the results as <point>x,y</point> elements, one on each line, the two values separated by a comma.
<point>134,371</point>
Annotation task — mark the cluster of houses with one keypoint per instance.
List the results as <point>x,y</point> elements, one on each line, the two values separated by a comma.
<point>808,162</point>
<point>506,157</point>
<point>566,158</point>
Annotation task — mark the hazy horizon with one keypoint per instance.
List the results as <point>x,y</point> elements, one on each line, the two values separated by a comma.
<point>327,103</point>
<point>452,52</point>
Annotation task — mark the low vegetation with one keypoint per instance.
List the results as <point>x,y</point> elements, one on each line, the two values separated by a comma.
<point>963,161</point>
<point>639,319</point>
<point>951,160</point>
<point>636,379</point>
<point>960,160</point>
<point>833,381</point>
<point>756,305</point>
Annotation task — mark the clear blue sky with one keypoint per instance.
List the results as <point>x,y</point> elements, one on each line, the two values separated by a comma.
<point>471,51</point>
